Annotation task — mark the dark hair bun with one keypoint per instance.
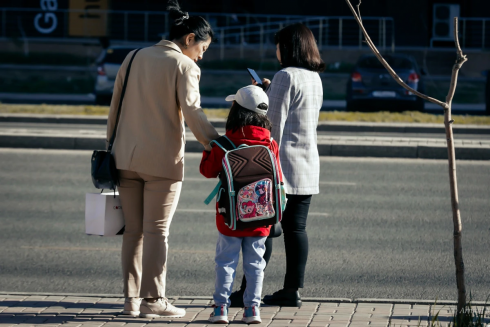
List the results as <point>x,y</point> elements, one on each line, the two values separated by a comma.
<point>183,24</point>
<point>176,13</point>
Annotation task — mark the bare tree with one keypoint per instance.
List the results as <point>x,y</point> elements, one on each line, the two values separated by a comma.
<point>460,60</point>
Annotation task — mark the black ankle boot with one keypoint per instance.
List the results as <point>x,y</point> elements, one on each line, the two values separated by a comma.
<point>284,299</point>
<point>236,299</point>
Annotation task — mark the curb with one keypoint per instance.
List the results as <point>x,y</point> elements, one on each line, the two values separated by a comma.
<point>323,126</point>
<point>211,102</point>
<point>306,299</point>
<point>337,149</point>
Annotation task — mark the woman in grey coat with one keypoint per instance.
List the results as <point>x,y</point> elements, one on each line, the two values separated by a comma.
<point>295,100</point>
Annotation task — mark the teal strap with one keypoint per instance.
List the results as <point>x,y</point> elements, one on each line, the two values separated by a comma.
<point>284,200</point>
<point>213,193</point>
<point>219,194</point>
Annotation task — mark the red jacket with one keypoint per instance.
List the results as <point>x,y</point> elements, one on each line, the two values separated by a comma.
<point>211,165</point>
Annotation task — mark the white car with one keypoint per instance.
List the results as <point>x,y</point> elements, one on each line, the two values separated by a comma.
<point>108,65</point>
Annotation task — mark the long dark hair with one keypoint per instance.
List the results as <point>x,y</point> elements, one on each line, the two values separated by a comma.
<point>240,117</point>
<point>185,24</point>
<point>298,48</point>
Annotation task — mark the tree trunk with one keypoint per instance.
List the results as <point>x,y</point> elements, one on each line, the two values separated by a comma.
<point>461,59</point>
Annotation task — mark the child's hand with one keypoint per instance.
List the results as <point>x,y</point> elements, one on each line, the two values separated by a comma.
<point>265,82</point>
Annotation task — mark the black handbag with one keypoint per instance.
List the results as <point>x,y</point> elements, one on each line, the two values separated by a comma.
<point>104,171</point>
<point>276,230</point>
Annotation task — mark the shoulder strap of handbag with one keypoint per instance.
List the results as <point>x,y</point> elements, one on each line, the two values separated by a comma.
<point>111,142</point>
<point>224,143</point>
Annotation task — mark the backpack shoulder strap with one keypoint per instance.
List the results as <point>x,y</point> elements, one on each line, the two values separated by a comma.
<point>224,143</point>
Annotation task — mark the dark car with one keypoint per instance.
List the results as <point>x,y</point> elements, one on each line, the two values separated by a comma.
<point>372,87</point>
<point>487,93</point>
<point>108,65</point>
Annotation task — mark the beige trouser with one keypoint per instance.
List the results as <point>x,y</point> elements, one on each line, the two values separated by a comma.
<point>149,204</point>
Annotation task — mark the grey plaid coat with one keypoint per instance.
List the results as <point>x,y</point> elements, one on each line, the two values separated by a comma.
<point>295,100</point>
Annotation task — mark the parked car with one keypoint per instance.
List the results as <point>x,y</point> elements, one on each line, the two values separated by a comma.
<point>487,93</point>
<point>108,64</point>
<point>372,87</point>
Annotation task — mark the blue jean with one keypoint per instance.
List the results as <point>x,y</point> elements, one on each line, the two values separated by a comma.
<point>227,255</point>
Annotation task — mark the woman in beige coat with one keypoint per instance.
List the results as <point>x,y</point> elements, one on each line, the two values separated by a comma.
<point>162,91</point>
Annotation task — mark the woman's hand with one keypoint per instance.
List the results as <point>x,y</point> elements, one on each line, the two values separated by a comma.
<point>265,82</point>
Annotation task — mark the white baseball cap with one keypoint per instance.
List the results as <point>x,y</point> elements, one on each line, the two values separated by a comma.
<point>249,97</point>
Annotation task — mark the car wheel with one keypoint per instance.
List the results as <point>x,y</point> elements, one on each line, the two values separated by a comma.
<point>350,106</point>
<point>487,98</point>
<point>102,100</point>
<point>419,105</point>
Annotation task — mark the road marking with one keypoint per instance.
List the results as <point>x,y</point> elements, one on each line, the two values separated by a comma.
<point>323,159</point>
<point>68,248</point>
<point>195,179</point>
<point>196,210</point>
<point>84,153</point>
<point>338,183</point>
<point>323,214</point>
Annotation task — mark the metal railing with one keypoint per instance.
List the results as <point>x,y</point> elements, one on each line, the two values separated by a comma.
<point>148,26</point>
<point>475,32</point>
<point>330,32</point>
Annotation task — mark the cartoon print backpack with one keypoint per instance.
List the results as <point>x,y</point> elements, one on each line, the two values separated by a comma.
<point>250,192</point>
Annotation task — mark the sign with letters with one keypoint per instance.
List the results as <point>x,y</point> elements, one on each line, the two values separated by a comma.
<point>47,21</point>
<point>87,19</point>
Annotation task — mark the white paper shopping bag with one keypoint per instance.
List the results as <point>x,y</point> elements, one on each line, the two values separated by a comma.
<point>103,214</point>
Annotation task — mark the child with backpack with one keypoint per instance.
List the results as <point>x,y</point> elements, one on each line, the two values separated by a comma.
<point>249,200</point>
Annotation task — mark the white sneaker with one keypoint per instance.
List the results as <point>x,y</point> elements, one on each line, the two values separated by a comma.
<point>132,306</point>
<point>219,315</point>
<point>160,308</point>
<point>251,315</point>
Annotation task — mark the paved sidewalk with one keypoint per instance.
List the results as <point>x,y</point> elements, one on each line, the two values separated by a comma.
<point>344,146</point>
<point>472,142</point>
<point>80,310</point>
<point>323,126</point>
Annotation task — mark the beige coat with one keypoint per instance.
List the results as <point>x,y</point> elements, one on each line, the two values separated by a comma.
<point>162,91</point>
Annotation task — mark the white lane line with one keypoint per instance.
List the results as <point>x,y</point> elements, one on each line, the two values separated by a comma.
<point>193,179</point>
<point>417,161</point>
<point>192,156</point>
<point>322,214</point>
<point>73,248</point>
<point>70,248</point>
<point>87,153</point>
<point>338,183</point>
<point>215,180</point>
<point>196,210</point>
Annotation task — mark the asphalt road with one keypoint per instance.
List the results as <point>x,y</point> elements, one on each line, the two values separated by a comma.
<point>380,228</point>
<point>94,129</point>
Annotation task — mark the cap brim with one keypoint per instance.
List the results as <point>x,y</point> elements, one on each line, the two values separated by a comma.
<point>230,97</point>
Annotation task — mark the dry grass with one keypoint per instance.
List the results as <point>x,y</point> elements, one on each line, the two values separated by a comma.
<point>381,117</point>
<point>400,117</point>
<point>53,109</point>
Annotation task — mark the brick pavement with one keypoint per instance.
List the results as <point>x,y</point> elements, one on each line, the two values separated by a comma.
<point>87,311</point>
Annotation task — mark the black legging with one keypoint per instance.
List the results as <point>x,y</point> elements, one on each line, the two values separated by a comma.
<point>295,241</point>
